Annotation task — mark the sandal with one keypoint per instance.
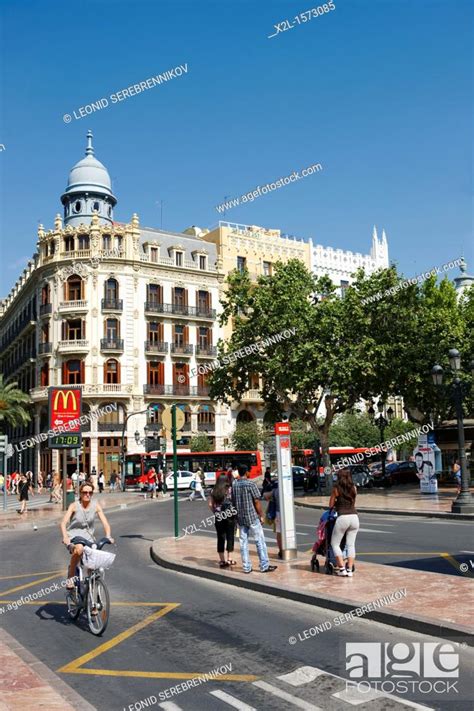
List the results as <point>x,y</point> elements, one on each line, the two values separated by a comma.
<point>223,564</point>
<point>232,562</point>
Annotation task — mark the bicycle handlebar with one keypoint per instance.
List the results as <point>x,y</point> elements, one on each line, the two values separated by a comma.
<point>100,544</point>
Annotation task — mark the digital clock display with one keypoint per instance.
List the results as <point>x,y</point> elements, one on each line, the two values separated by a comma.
<point>72,441</point>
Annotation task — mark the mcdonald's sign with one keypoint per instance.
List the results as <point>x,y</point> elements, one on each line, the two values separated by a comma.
<point>65,406</point>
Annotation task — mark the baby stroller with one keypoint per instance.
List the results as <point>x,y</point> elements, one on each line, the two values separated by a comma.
<point>322,545</point>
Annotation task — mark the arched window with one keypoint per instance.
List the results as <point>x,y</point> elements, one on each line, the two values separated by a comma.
<point>244,416</point>
<point>112,371</point>
<point>73,288</point>
<point>111,290</point>
<point>73,372</point>
<point>206,418</point>
<point>45,294</point>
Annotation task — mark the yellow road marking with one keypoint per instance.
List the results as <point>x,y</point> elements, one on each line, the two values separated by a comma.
<point>73,667</point>
<point>63,602</point>
<point>453,561</point>
<point>160,675</point>
<point>359,553</point>
<point>29,575</point>
<point>28,585</point>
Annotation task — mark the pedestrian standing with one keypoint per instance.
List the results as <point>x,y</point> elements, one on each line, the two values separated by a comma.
<point>273,497</point>
<point>40,482</point>
<point>197,487</point>
<point>24,488</point>
<point>267,481</point>
<point>152,479</point>
<point>220,503</point>
<point>113,481</point>
<point>101,481</point>
<point>93,479</point>
<point>456,469</point>
<point>343,499</point>
<point>56,489</point>
<point>246,499</point>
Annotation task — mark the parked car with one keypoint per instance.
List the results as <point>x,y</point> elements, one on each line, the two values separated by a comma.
<point>361,476</point>
<point>299,474</point>
<point>396,473</point>
<point>184,480</point>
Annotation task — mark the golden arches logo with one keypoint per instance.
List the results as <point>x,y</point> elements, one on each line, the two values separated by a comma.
<point>65,394</point>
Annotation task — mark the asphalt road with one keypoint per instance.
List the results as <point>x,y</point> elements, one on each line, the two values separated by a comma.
<point>197,626</point>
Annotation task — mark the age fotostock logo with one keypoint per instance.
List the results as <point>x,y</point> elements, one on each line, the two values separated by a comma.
<point>403,667</point>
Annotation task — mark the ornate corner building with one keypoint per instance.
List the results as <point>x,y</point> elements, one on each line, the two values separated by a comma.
<point>129,314</point>
<point>123,311</point>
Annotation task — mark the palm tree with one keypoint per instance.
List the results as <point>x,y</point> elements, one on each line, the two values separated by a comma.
<point>12,401</point>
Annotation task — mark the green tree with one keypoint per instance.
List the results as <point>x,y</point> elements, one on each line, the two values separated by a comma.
<point>353,430</point>
<point>248,435</point>
<point>301,435</point>
<point>12,405</point>
<point>398,427</point>
<point>200,443</point>
<point>341,350</point>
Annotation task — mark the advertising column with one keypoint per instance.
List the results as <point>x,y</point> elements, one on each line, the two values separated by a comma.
<point>285,489</point>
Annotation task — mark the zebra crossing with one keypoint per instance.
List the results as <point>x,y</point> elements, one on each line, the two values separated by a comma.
<point>34,502</point>
<point>308,688</point>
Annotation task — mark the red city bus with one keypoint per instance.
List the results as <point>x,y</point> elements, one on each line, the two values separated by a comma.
<point>303,457</point>
<point>136,465</point>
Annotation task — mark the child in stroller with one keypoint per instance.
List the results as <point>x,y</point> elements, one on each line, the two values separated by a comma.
<point>322,545</point>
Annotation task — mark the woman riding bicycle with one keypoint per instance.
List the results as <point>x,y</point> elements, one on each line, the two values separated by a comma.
<point>78,522</point>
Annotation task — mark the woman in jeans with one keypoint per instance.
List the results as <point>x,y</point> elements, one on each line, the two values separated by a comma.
<point>220,503</point>
<point>343,501</point>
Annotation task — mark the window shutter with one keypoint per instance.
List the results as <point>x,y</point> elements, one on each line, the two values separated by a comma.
<point>118,372</point>
<point>82,371</point>
<point>63,331</point>
<point>83,328</point>
<point>161,373</point>
<point>209,336</point>
<point>185,297</point>
<point>66,291</point>
<point>186,335</point>
<point>64,373</point>
<point>105,372</point>
<point>148,373</point>
<point>186,373</point>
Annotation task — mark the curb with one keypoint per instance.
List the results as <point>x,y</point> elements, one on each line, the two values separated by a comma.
<point>422,625</point>
<point>396,512</point>
<point>59,686</point>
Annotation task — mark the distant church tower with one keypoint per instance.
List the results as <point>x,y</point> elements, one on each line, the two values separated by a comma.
<point>379,250</point>
<point>89,190</point>
<point>464,281</point>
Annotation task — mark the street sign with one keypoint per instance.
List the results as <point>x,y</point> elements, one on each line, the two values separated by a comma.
<point>285,489</point>
<point>65,412</point>
<point>166,419</point>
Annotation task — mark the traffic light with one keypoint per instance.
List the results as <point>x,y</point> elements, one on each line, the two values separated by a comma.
<point>3,444</point>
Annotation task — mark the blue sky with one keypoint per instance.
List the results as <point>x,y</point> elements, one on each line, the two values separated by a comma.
<point>378,91</point>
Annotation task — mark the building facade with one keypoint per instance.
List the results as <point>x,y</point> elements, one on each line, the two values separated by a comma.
<point>123,311</point>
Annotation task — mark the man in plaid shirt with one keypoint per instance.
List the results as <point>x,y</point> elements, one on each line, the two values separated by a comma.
<point>246,499</point>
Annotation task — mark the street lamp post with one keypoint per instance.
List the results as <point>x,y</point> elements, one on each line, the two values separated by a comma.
<point>457,390</point>
<point>382,423</point>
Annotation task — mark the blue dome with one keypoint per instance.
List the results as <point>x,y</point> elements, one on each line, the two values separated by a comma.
<point>89,175</point>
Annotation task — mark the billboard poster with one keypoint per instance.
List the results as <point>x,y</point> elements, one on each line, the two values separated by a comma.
<point>65,406</point>
<point>424,455</point>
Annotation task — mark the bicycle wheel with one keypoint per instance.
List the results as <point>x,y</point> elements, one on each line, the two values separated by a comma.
<point>98,606</point>
<point>73,603</point>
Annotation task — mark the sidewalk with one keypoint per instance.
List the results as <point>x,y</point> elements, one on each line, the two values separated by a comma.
<point>25,682</point>
<point>400,500</point>
<point>438,605</point>
<point>51,514</point>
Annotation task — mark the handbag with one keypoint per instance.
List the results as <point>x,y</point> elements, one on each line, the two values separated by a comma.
<point>272,509</point>
<point>192,485</point>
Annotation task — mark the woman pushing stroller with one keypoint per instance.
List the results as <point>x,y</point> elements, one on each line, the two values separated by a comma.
<point>343,499</point>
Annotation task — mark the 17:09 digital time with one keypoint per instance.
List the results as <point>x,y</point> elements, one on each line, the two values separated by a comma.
<point>304,17</point>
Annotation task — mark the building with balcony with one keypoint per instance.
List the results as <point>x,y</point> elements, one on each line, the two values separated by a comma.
<point>125,312</point>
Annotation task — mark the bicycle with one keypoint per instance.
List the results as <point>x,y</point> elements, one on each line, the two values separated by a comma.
<point>90,593</point>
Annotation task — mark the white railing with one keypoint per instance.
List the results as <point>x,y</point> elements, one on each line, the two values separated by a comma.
<point>75,254</point>
<point>252,395</point>
<point>81,304</point>
<point>73,345</point>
